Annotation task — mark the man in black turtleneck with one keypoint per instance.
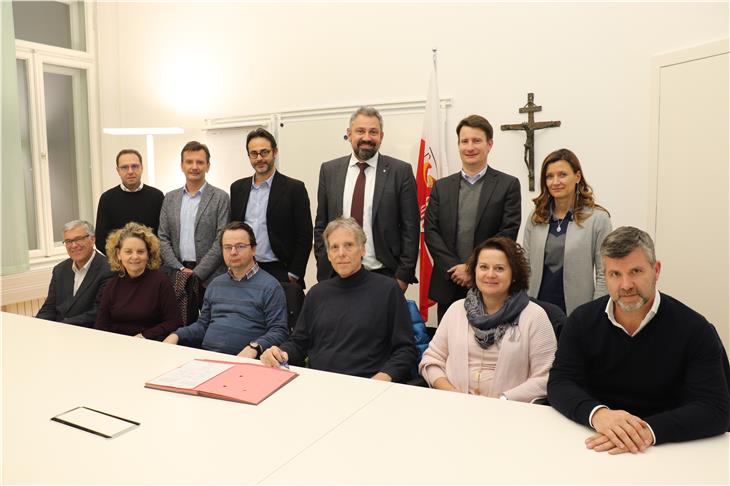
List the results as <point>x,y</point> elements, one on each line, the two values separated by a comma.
<point>356,323</point>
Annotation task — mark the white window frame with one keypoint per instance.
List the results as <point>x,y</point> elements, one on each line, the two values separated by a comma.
<point>37,55</point>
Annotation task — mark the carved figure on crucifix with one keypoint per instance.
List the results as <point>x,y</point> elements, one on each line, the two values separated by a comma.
<point>530,127</point>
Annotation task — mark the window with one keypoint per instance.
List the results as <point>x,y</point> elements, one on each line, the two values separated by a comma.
<point>62,23</point>
<point>55,79</point>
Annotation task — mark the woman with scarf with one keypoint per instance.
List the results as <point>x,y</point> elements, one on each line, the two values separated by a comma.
<point>495,342</point>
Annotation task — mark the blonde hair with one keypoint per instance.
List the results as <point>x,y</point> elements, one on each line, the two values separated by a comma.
<point>133,230</point>
<point>349,224</point>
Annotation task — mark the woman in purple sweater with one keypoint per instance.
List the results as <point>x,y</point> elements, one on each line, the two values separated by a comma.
<point>140,300</point>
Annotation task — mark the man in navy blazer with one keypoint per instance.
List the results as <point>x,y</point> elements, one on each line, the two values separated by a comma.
<point>387,202</point>
<point>77,283</point>
<point>277,208</point>
<point>465,209</point>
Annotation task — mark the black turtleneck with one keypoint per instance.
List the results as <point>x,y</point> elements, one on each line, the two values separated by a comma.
<point>357,326</point>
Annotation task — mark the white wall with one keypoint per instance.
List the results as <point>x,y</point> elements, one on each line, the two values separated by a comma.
<point>589,65</point>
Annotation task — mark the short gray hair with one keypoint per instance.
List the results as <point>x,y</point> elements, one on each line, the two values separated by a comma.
<point>622,241</point>
<point>368,111</point>
<point>79,223</point>
<point>348,224</point>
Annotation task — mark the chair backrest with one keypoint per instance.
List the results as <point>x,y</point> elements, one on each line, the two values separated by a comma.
<point>555,314</point>
<point>188,293</point>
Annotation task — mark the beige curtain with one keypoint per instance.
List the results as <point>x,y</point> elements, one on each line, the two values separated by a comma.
<point>14,237</point>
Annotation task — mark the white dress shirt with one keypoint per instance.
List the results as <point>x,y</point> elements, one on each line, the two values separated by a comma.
<point>124,188</point>
<point>369,261</point>
<point>80,273</point>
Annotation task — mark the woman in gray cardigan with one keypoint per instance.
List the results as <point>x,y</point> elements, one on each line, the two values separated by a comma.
<point>563,235</point>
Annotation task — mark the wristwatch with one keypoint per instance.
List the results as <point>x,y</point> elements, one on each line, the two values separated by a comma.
<point>257,347</point>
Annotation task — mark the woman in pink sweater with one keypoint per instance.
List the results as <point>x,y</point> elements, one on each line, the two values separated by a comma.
<point>495,342</point>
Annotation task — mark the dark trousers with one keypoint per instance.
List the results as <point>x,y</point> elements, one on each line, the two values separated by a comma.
<point>276,270</point>
<point>444,305</point>
<point>384,271</point>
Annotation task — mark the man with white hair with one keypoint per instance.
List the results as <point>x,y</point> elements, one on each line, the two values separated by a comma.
<point>356,323</point>
<point>77,283</point>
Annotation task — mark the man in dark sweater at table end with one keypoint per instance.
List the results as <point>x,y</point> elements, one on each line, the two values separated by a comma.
<point>356,323</point>
<point>638,366</point>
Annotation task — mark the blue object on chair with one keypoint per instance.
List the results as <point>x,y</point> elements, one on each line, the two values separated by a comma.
<point>420,335</point>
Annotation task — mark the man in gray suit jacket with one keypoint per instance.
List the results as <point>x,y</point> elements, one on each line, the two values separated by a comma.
<point>192,219</point>
<point>76,285</point>
<point>380,193</point>
<point>465,209</point>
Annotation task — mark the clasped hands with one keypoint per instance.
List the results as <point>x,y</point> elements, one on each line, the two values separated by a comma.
<point>460,275</point>
<point>617,431</point>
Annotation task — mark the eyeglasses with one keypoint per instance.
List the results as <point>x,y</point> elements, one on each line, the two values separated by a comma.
<point>239,247</point>
<point>132,167</point>
<point>78,239</point>
<point>253,155</point>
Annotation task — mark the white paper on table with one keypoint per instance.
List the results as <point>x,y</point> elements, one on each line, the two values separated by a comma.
<point>191,374</point>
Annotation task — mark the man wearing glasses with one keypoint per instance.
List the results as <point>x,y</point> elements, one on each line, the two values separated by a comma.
<point>77,283</point>
<point>131,200</point>
<point>277,208</point>
<point>244,310</point>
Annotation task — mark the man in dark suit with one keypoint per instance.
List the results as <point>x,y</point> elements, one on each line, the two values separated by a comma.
<point>379,192</point>
<point>76,285</point>
<point>465,209</point>
<point>277,208</point>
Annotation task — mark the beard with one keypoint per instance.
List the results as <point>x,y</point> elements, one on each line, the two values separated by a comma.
<point>365,151</point>
<point>633,306</point>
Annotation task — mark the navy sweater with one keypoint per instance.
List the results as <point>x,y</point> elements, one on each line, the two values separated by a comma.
<point>670,374</point>
<point>357,326</point>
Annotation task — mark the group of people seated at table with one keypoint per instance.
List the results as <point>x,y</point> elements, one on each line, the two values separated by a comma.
<point>636,365</point>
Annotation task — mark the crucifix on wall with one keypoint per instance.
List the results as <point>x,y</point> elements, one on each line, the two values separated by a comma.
<point>529,127</point>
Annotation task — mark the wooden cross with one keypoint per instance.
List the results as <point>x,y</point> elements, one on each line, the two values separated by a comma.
<point>530,108</point>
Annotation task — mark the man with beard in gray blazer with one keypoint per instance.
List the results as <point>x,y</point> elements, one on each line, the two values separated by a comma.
<point>379,192</point>
<point>76,285</point>
<point>192,219</point>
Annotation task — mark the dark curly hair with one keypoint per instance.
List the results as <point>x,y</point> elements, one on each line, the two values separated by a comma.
<point>515,258</point>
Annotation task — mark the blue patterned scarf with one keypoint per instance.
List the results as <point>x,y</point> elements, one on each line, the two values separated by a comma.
<point>490,328</point>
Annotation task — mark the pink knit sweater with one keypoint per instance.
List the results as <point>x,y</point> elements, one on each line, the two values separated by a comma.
<point>526,354</point>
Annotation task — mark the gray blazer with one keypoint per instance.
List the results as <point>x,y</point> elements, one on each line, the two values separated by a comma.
<point>396,220</point>
<point>62,305</point>
<point>582,266</point>
<point>210,219</point>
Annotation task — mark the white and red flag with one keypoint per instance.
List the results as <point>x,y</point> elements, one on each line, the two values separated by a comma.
<point>432,165</point>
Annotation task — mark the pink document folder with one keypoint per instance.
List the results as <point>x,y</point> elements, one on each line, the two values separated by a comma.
<point>241,382</point>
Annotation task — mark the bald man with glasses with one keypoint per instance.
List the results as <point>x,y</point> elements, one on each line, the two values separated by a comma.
<point>74,293</point>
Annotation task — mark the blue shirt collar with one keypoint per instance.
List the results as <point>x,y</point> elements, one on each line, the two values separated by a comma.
<point>475,178</point>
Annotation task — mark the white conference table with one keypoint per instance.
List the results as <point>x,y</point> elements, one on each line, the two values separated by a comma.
<point>320,428</point>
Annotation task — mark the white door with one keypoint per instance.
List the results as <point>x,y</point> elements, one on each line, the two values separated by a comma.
<point>691,207</point>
